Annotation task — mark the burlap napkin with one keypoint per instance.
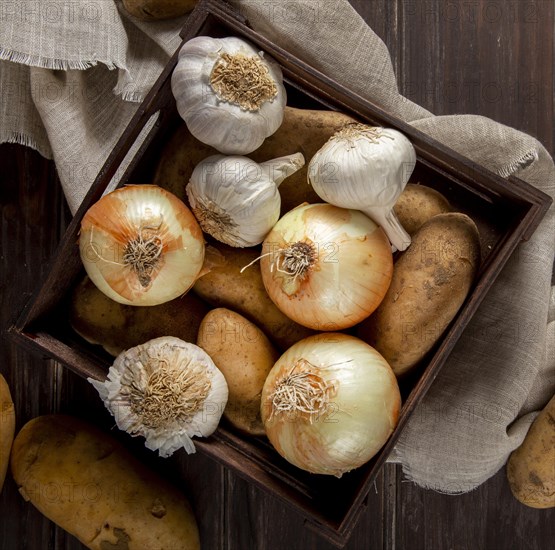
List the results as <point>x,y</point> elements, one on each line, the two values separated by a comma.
<point>503,368</point>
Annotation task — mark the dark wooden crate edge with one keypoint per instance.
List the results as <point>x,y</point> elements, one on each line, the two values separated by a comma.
<point>537,202</point>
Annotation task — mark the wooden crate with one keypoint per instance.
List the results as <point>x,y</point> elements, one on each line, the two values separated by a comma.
<point>506,212</point>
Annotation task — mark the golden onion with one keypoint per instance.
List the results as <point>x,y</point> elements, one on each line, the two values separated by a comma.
<point>330,403</point>
<point>325,267</point>
<point>141,245</point>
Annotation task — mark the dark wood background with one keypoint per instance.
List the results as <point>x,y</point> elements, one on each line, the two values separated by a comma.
<point>493,58</point>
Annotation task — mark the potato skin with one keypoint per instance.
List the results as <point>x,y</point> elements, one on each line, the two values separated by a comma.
<point>417,204</point>
<point>531,467</point>
<point>118,327</point>
<point>151,10</point>
<point>225,286</point>
<point>245,357</point>
<point>7,428</point>
<point>430,283</point>
<point>89,485</point>
<point>302,130</point>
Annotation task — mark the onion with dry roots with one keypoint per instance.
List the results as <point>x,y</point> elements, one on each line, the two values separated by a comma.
<point>325,267</point>
<point>141,245</point>
<point>330,403</point>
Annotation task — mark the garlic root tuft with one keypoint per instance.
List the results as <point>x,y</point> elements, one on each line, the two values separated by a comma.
<point>242,80</point>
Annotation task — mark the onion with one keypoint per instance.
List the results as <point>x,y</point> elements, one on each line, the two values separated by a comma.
<point>330,403</point>
<point>141,246</point>
<point>325,267</point>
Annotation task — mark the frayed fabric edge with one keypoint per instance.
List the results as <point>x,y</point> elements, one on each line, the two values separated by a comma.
<point>132,96</point>
<point>519,164</point>
<point>124,89</point>
<point>396,457</point>
<point>451,488</point>
<point>52,64</point>
<point>20,138</point>
<point>409,478</point>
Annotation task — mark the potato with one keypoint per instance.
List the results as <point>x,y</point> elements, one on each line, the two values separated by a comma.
<point>7,428</point>
<point>88,484</point>
<point>118,327</point>
<point>417,204</point>
<point>430,283</point>
<point>150,10</point>
<point>245,356</point>
<point>531,468</point>
<point>302,130</point>
<point>225,286</point>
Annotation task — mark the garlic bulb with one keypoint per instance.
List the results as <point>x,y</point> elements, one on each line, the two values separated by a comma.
<point>166,390</point>
<point>230,95</point>
<point>235,199</point>
<point>366,168</point>
<point>330,403</point>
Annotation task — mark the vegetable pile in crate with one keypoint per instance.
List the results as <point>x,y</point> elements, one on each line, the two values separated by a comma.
<point>274,209</point>
<point>329,403</point>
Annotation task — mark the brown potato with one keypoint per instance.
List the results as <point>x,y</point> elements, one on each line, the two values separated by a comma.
<point>417,204</point>
<point>150,10</point>
<point>7,428</point>
<point>302,130</point>
<point>531,468</point>
<point>117,327</point>
<point>88,484</point>
<point>430,283</point>
<point>245,357</point>
<point>225,286</point>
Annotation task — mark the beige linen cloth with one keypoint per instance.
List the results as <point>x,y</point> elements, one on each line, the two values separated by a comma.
<point>70,74</point>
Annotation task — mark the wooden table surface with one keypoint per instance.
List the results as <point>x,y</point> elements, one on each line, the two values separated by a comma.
<point>493,58</point>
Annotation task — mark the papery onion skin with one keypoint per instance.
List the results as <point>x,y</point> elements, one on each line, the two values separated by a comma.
<point>352,269</point>
<point>144,211</point>
<point>361,413</point>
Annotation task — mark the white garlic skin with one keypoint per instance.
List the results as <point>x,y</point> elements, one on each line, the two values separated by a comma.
<point>133,369</point>
<point>223,125</point>
<point>366,174</point>
<point>242,193</point>
<point>345,163</point>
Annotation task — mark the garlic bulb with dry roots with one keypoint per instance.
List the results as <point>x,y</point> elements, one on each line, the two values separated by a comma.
<point>366,168</point>
<point>330,403</point>
<point>230,94</point>
<point>141,245</point>
<point>235,199</point>
<point>166,390</point>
